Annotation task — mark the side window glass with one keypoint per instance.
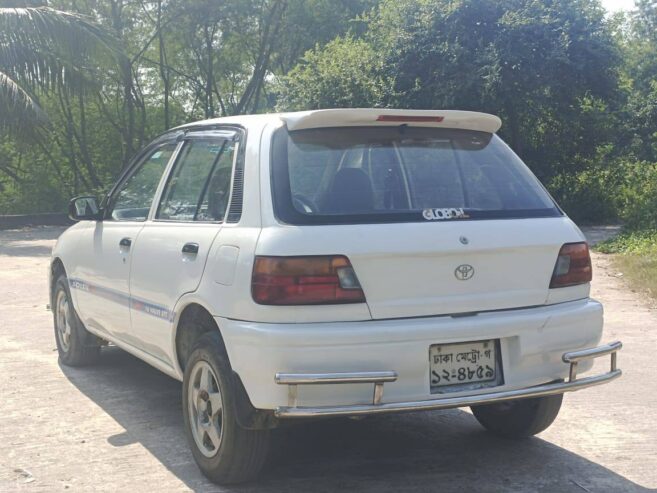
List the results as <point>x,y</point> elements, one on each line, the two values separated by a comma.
<point>135,197</point>
<point>199,186</point>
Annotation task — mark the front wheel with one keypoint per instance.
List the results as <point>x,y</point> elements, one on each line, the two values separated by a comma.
<point>75,345</point>
<point>224,451</point>
<point>519,418</point>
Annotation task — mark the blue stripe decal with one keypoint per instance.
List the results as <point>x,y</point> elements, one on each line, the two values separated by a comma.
<point>108,294</point>
<point>123,299</point>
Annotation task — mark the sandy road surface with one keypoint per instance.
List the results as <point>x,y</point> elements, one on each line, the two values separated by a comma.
<point>118,426</point>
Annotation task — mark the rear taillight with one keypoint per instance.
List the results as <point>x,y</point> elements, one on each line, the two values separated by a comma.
<point>573,266</point>
<point>312,280</point>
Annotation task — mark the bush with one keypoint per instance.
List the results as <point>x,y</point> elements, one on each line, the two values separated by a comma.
<point>630,242</point>
<point>620,190</point>
<point>637,196</point>
<point>636,259</point>
<point>586,197</point>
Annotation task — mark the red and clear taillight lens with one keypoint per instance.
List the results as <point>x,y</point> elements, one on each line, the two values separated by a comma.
<point>312,280</point>
<point>573,266</point>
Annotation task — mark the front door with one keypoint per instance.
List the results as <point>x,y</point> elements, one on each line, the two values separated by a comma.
<point>169,255</point>
<point>101,276</point>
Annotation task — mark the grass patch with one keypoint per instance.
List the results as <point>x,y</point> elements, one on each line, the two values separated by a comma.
<point>636,257</point>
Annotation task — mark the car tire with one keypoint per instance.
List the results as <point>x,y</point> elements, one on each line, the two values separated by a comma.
<point>519,418</point>
<point>75,345</point>
<point>225,452</point>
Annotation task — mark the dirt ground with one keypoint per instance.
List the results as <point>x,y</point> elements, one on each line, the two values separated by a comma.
<point>118,426</point>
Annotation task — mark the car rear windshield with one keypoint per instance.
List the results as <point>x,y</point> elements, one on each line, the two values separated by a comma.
<point>400,174</point>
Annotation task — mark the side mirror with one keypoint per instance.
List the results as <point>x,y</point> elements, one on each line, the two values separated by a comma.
<point>84,208</point>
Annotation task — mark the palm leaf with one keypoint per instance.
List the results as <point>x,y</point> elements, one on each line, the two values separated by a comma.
<point>18,110</point>
<point>49,48</point>
<point>44,49</point>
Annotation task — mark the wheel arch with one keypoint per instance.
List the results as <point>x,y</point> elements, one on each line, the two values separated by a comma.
<point>193,319</point>
<point>56,269</point>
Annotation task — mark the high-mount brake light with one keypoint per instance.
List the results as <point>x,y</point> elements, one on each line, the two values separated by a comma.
<point>313,280</point>
<point>573,266</point>
<point>409,118</point>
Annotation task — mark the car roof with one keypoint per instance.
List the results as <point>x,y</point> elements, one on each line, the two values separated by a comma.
<point>467,120</point>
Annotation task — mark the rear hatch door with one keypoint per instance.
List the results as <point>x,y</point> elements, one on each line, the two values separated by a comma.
<point>415,270</point>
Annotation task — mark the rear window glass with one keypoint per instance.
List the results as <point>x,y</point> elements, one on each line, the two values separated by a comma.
<point>396,174</point>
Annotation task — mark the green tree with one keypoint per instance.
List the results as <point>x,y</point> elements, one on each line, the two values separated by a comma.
<point>581,114</point>
<point>640,55</point>
<point>548,68</point>
<point>346,73</point>
<point>43,50</point>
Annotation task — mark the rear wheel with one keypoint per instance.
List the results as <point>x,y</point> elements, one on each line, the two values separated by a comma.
<point>224,451</point>
<point>75,345</point>
<point>519,418</point>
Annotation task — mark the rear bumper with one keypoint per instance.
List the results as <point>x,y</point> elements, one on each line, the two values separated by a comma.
<point>532,344</point>
<point>380,378</point>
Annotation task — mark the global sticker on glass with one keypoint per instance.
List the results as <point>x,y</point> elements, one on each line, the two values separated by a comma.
<point>447,213</point>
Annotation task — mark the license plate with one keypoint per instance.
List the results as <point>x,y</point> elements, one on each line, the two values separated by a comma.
<point>462,363</point>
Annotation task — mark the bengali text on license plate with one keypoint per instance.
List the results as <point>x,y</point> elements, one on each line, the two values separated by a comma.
<point>462,363</point>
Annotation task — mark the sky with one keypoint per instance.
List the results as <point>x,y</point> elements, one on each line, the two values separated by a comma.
<point>616,5</point>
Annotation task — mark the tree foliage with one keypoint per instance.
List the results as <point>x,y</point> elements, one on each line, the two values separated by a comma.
<point>576,88</point>
<point>183,60</point>
<point>549,69</point>
<point>43,49</point>
<point>347,73</point>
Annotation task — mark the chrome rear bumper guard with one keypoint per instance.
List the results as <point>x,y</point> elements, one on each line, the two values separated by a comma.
<point>378,378</point>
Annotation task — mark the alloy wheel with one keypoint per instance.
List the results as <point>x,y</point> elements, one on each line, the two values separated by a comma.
<point>205,406</point>
<point>63,320</point>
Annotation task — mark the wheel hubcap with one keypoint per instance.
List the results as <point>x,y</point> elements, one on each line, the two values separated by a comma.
<point>63,320</point>
<point>205,406</point>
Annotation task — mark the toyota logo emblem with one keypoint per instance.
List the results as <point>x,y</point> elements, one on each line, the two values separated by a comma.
<point>464,272</point>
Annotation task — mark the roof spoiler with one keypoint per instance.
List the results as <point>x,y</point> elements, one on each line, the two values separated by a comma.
<point>466,120</point>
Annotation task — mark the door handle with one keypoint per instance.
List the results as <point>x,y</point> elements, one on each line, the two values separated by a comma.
<point>190,248</point>
<point>125,242</point>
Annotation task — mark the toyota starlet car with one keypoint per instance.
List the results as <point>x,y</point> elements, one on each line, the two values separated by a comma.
<point>332,263</point>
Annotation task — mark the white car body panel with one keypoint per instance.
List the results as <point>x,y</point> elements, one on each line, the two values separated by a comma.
<point>532,343</point>
<point>411,273</point>
<point>406,271</point>
<point>469,120</point>
<point>98,269</point>
<point>161,273</point>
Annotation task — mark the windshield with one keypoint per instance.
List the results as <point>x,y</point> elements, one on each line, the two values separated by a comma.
<point>394,174</point>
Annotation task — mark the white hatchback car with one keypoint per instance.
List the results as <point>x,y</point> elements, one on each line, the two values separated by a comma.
<point>332,263</point>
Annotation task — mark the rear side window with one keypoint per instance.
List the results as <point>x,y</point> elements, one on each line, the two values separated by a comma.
<point>397,174</point>
<point>198,188</point>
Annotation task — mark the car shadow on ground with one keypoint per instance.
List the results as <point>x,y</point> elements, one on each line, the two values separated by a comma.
<point>29,242</point>
<point>442,450</point>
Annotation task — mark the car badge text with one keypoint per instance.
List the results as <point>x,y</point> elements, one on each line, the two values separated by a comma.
<point>448,213</point>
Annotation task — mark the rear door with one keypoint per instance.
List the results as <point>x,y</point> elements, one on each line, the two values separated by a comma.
<point>170,253</point>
